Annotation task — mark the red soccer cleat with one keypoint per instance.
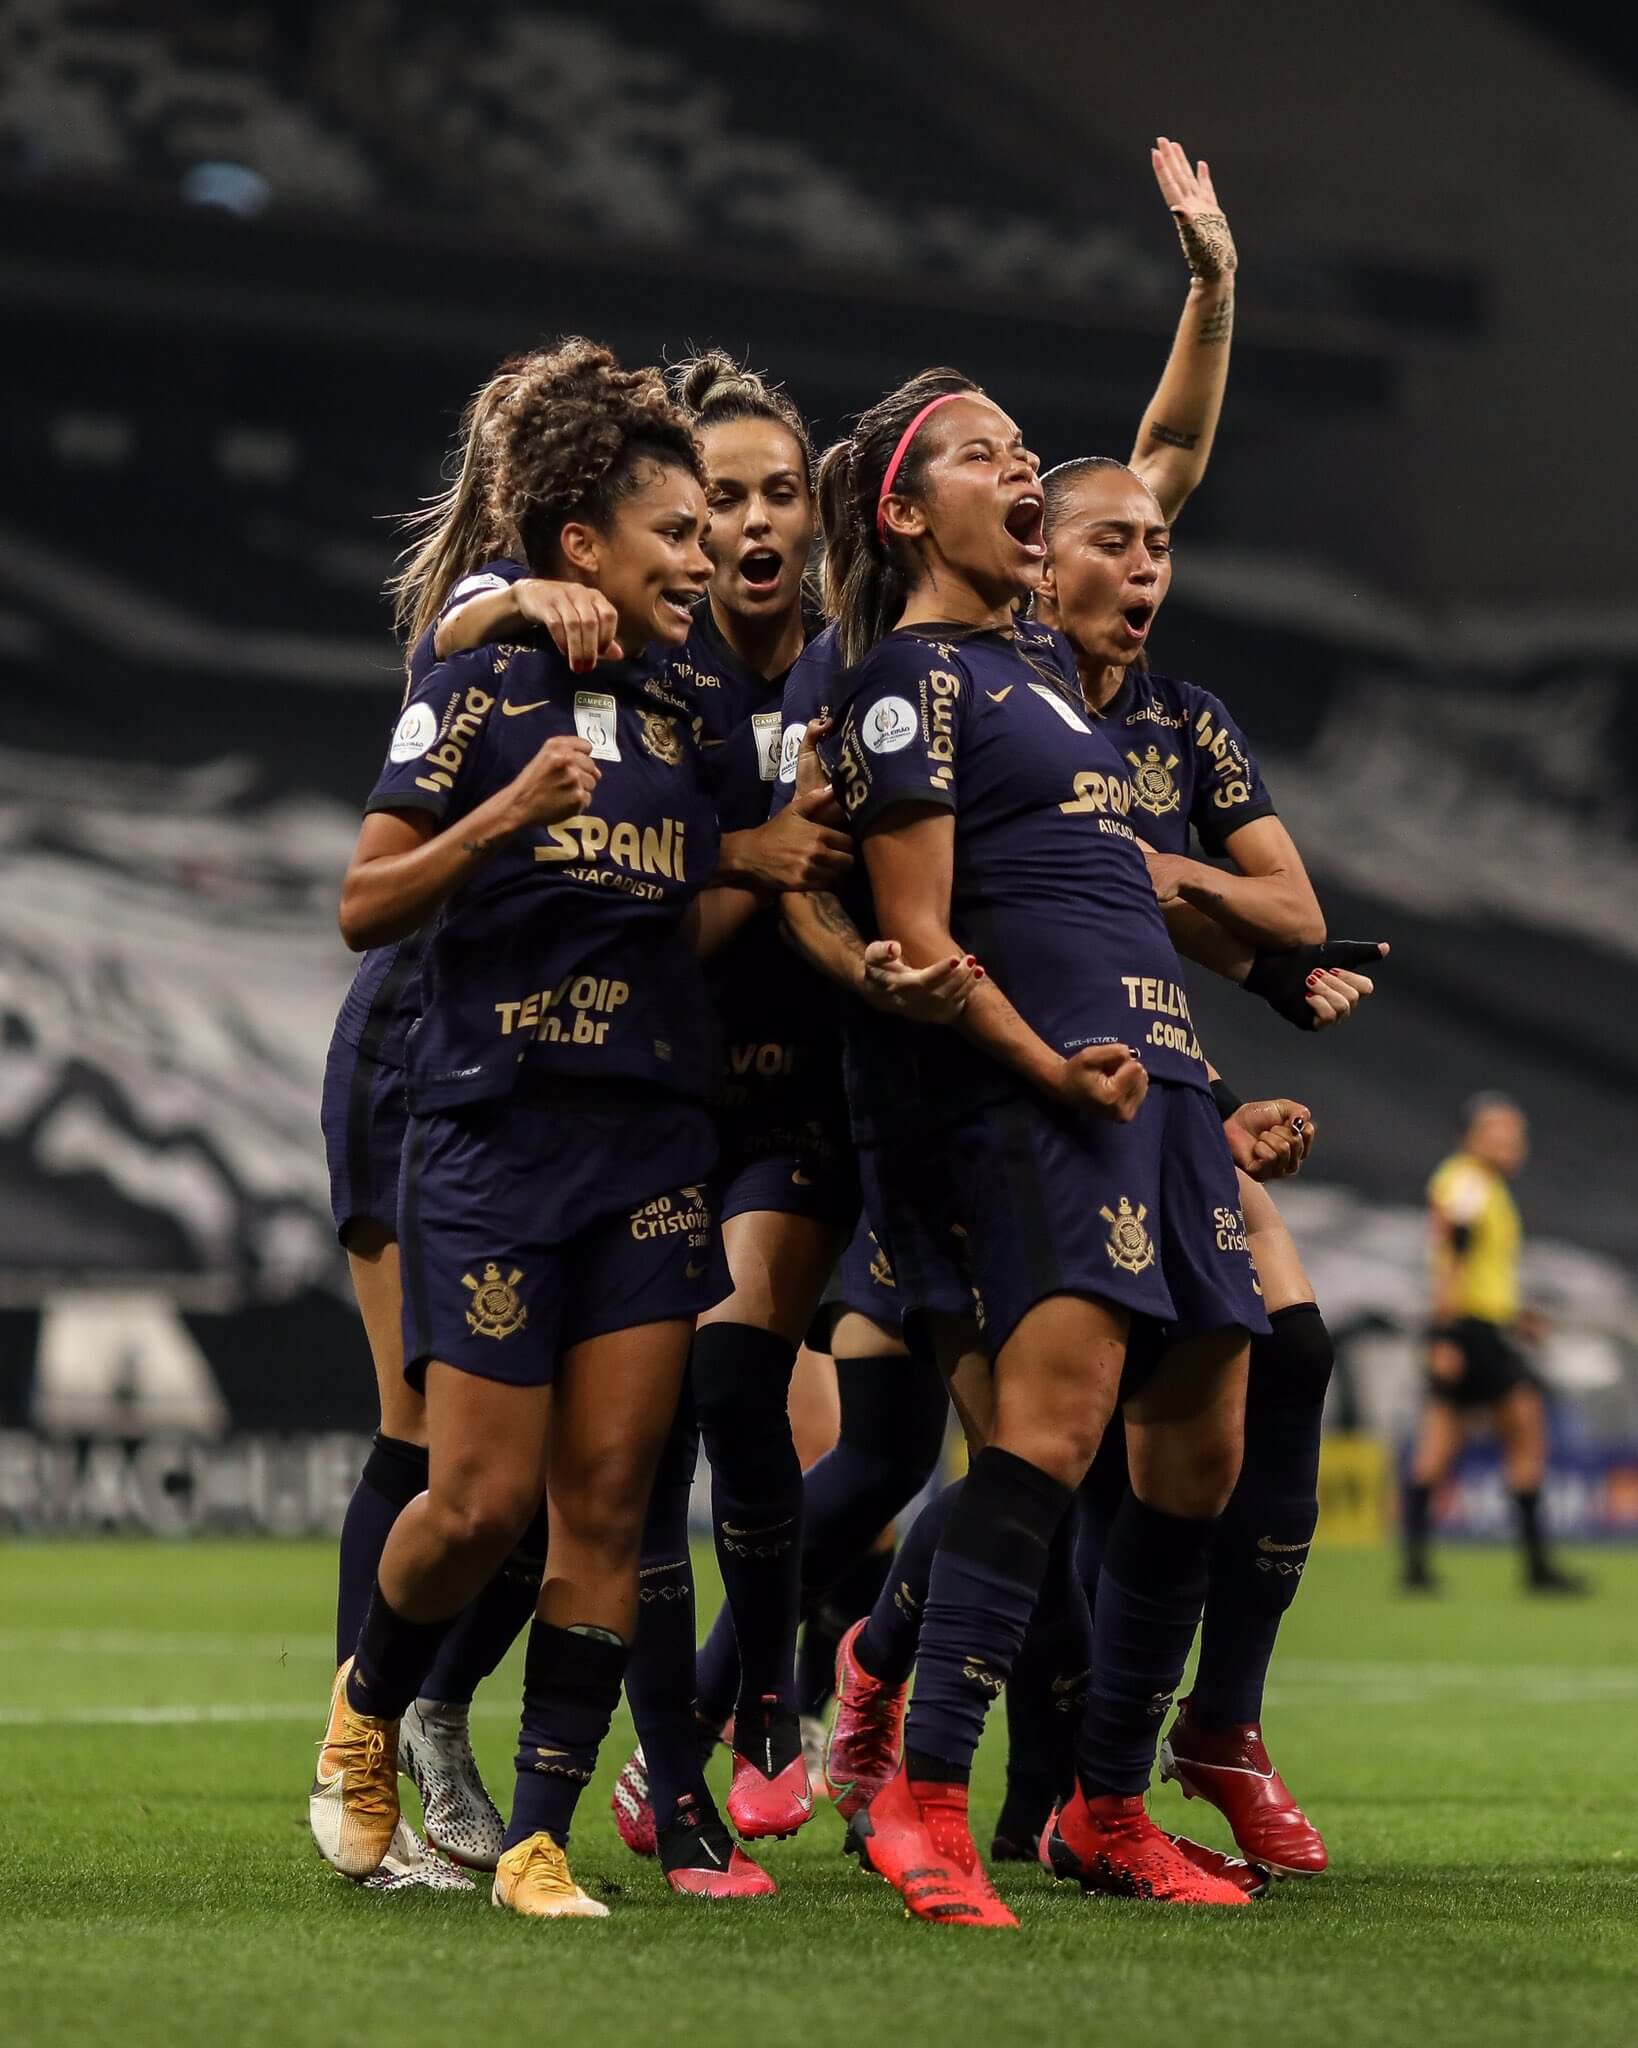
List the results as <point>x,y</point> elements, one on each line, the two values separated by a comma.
<point>701,1859</point>
<point>1111,1845</point>
<point>917,1837</point>
<point>867,1734</point>
<point>1230,1768</point>
<point>769,1796</point>
<point>1252,1880</point>
<point>629,1803</point>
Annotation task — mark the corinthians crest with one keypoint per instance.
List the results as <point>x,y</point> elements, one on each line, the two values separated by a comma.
<point>660,738</point>
<point>1130,1246</point>
<point>1153,789</point>
<point>496,1310</point>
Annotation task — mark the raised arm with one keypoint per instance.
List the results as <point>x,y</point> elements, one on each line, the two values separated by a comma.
<point>909,854</point>
<point>1180,423</point>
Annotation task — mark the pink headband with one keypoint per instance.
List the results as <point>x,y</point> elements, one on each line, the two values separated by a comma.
<point>902,449</point>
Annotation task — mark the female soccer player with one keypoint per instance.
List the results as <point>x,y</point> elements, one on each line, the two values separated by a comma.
<point>1089,1183</point>
<point>363,1118</point>
<point>556,1230</point>
<point>785,1181</point>
<point>1108,571</point>
<point>888,1411</point>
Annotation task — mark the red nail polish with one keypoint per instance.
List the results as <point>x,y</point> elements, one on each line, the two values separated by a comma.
<point>1313,977</point>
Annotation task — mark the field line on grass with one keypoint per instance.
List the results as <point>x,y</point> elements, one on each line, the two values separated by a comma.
<point>190,1716</point>
<point>132,1642</point>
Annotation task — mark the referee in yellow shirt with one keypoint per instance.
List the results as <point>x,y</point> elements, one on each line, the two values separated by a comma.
<point>1476,1372</point>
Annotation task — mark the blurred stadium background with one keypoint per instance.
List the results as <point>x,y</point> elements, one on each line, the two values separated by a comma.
<point>254,258</point>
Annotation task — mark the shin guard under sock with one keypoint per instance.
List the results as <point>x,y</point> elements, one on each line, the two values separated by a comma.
<point>571,1687</point>
<point>394,1473</point>
<point>1263,1539</point>
<point>741,1378</point>
<point>1150,1594</point>
<point>392,1659</point>
<point>660,1671</point>
<point>886,1645</point>
<point>985,1579</point>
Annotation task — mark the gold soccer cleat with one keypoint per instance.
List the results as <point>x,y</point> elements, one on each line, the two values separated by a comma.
<point>353,1807</point>
<point>534,1879</point>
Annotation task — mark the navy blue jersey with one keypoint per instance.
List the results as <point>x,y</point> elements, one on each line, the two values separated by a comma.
<point>1188,762</point>
<point>775,1021</point>
<point>564,954</point>
<point>1051,889</point>
<point>383,999</point>
<point>879,1051</point>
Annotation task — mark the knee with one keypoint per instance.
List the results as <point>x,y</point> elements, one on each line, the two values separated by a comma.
<point>483,1519</point>
<point>604,1510</point>
<point>1199,1484</point>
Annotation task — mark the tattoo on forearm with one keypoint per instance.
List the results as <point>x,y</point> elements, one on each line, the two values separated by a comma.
<point>1218,325</point>
<point>1172,437</point>
<point>1208,247</point>
<point>827,909</point>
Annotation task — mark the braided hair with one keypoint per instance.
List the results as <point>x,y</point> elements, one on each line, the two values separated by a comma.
<point>868,576</point>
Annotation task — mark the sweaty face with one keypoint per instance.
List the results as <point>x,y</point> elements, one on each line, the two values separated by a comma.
<point>650,563</point>
<point>1110,566</point>
<point>977,513</point>
<point>762,516</point>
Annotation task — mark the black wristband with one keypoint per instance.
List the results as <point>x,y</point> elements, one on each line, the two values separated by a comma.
<point>1281,978</point>
<point>1225,1098</point>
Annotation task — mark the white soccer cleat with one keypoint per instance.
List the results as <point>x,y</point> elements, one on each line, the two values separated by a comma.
<point>435,1752</point>
<point>409,1865</point>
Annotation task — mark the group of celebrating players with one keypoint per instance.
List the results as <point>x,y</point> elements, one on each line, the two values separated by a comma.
<point>756,953</point>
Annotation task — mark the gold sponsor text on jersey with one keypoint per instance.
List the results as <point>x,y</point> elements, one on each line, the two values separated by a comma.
<point>686,1213</point>
<point>443,762</point>
<point>645,850</point>
<point>940,689</point>
<point>577,1012</point>
<point>1164,1001</point>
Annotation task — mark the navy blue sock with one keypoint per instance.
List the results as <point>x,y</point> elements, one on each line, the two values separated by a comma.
<point>1262,1542</point>
<point>827,1620</point>
<point>392,1659</point>
<point>484,1632</point>
<point>394,1473</point>
<point>894,1413</point>
<point>716,1670</point>
<point>571,1687</point>
<point>1150,1593</point>
<point>660,1672</point>
<point>886,1645</point>
<point>1097,1502</point>
<point>741,1378</point>
<point>1047,1691</point>
<point>984,1584</point>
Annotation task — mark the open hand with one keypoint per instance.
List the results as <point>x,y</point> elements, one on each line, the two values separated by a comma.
<point>926,995</point>
<point>1208,247</point>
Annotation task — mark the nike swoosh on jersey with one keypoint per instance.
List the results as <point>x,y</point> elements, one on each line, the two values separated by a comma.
<point>999,696</point>
<point>517,710</point>
<point>694,1272</point>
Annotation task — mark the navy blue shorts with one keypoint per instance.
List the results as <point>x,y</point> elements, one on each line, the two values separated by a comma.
<point>908,1204</point>
<point>1145,1215</point>
<point>363,1114</point>
<point>525,1229</point>
<point>776,1156</point>
<point>862,1283</point>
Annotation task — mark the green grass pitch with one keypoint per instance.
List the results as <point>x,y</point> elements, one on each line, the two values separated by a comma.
<point>1473,1761</point>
